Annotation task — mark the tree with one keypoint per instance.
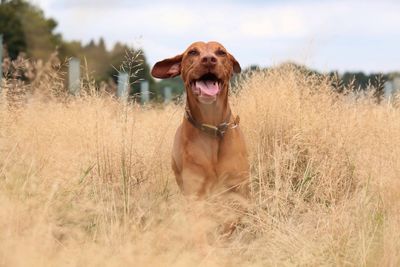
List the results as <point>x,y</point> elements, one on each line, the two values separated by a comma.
<point>11,28</point>
<point>26,29</point>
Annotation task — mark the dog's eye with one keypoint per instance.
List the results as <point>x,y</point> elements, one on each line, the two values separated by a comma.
<point>193,53</point>
<point>221,53</point>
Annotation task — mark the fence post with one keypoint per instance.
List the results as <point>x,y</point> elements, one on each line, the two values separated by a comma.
<point>396,85</point>
<point>167,94</point>
<point>1,61</point>
<point>74,76</point>
<point>144,92</point>
<point>388,89</point>
<point>123,85</point>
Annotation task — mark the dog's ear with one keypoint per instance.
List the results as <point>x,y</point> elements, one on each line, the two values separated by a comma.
<point>236,65</point>
<point>167,68</point>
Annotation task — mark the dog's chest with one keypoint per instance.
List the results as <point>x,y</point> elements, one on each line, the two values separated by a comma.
<point>224,157</point>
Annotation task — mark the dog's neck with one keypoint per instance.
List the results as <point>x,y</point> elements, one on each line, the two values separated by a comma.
<point>214,113</point>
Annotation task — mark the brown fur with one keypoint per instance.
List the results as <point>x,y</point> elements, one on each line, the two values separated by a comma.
<point>204,164</point>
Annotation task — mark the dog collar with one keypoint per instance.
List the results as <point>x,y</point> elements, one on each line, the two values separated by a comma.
<point>215,131</point>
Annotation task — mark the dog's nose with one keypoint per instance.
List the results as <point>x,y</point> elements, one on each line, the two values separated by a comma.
<point>209,60</point>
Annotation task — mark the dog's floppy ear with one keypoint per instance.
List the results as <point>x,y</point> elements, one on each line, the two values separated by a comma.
<point>236,65</point>
<point>167,68</point>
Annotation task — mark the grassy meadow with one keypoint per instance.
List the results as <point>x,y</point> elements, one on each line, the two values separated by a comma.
<point>86,181</point>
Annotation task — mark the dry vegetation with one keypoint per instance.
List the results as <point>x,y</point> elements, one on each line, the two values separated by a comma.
<point>86,181</point>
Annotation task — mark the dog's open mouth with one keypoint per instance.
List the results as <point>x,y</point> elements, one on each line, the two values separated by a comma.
<point>207,86</point>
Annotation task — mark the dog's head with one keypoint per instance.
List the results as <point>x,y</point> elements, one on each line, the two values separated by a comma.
<point>206,69</point>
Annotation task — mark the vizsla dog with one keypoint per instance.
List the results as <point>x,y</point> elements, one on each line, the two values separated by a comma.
<point>209,152</point>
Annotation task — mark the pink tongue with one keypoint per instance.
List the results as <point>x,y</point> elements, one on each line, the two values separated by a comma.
<point>210,88</point>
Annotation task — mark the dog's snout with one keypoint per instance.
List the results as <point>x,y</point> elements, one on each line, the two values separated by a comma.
<point>209,60</point>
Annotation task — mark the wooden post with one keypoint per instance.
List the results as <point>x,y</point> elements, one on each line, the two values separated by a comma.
<point>74,76</point>
<point>144,92</point>
<point>123,85</point>
<point>1,60</point>
<point>167,94</point>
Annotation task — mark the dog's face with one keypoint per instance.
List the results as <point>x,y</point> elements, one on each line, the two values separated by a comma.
<point>206,69</point>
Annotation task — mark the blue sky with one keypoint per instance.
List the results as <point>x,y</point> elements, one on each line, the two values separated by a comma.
<point>326,35</point>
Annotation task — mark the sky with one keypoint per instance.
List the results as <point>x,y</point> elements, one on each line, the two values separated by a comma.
<point>343,35</point>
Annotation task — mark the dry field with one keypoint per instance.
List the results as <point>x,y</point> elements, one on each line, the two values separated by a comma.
<point>87,181</point>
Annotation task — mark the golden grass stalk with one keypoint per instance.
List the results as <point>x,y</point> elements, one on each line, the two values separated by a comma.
<point>87,181</point>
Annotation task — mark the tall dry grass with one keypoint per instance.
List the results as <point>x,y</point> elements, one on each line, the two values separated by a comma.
<point>86,181</point>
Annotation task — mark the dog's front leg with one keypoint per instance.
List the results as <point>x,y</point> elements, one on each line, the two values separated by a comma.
<point>196,182</point>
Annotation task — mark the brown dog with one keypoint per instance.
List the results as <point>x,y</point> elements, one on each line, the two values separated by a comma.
<point>209,153</point>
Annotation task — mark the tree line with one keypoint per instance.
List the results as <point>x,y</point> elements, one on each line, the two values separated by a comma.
<point>26,31</point>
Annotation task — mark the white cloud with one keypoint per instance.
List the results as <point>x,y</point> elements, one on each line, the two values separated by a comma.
<point>287,23</point>
<point>257,31</point>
